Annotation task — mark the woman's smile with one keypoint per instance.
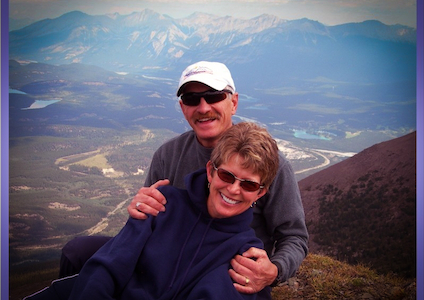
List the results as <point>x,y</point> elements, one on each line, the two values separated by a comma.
<point>229,200</point>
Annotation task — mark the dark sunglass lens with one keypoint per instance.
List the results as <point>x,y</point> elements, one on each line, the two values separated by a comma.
<point>193,99</point>
<point>216,97</point>
<point>226,176</point>
<point>249,185</point>
<point>190,99</point>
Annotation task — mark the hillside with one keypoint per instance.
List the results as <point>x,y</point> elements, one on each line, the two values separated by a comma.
<point>362,210</point>
<point>321,277</point>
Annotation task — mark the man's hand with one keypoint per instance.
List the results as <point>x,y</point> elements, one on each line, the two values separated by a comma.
<point>252,271</point>
<point>148,201</point>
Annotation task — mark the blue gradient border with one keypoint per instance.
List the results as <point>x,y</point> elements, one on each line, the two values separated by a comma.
<point>4,219</point>
<point>420,150</point>
<point>5,150</point>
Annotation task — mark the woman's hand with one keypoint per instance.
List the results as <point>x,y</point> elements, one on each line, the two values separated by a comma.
<point>148,201</point>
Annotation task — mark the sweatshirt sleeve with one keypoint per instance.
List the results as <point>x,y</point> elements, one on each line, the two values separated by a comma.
<point>285,218</point>
<point>217,285</point>
<point>108,271</point>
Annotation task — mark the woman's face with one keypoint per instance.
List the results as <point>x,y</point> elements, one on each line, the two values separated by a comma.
<point>226,199</point>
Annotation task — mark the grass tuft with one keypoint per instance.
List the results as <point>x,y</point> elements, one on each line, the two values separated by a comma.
<point>320,277</point>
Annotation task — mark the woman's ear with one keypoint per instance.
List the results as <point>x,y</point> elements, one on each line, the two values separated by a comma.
<point>209,168</point>
<point>261,193</point>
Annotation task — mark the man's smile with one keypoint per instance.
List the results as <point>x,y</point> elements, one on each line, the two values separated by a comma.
<point>205,120</point>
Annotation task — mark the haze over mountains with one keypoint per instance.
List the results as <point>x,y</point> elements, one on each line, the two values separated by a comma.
<point>143,40</point>
<point>292,75</point>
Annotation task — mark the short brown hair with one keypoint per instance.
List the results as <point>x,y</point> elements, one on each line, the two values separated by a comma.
<point>254,144</point>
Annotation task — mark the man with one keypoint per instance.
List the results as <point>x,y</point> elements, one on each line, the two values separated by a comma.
<point>208,101</point>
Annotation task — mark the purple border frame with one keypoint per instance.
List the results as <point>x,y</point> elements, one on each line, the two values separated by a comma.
<point>4,219</point>
<point>420,150</point>
<point>5,150</point>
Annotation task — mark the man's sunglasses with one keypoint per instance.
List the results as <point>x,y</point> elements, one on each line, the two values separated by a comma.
<point>193,99</point>
<point>229,177</point>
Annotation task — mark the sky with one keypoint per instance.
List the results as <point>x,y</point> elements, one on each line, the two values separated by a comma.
<point>328,12</point>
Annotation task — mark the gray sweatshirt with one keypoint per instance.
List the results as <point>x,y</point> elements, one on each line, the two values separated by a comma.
<point>279,219</point>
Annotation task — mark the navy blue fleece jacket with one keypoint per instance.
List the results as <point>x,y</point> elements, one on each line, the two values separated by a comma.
<point>278,216</point>
<point>182,253</point>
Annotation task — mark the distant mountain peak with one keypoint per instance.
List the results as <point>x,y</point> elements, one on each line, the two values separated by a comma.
<point>113,16</point>
<point>199,14</point>
<point>377,30</point>
<point>74,14</point>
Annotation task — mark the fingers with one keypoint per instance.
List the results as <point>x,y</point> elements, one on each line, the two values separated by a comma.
<point>244,267</point>
<point>242,283</point>
<point>238,278</point>
<point>255,253</point>
<point>134,213</point>
<point>243,277</point>
<point>255,266</point>
<point>148,201</point>
<point>160,183</point>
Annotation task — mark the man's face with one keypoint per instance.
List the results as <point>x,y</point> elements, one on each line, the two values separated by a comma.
<point>209,121</point>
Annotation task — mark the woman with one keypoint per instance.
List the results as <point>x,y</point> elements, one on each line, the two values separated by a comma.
<point>185,252</point>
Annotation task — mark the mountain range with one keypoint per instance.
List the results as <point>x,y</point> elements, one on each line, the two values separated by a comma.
<point>147,42</point>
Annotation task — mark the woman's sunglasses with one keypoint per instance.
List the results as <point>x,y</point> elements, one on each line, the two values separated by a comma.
<point>229,177</point>
<point>193,99</point>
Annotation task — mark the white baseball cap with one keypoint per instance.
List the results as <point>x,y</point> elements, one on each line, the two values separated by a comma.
<point>213,74</point>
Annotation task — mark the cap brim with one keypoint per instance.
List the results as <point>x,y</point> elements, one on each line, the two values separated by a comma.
<point>205,79</point>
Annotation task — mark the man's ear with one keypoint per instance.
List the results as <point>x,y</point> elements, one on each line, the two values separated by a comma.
<point>234,100</point>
